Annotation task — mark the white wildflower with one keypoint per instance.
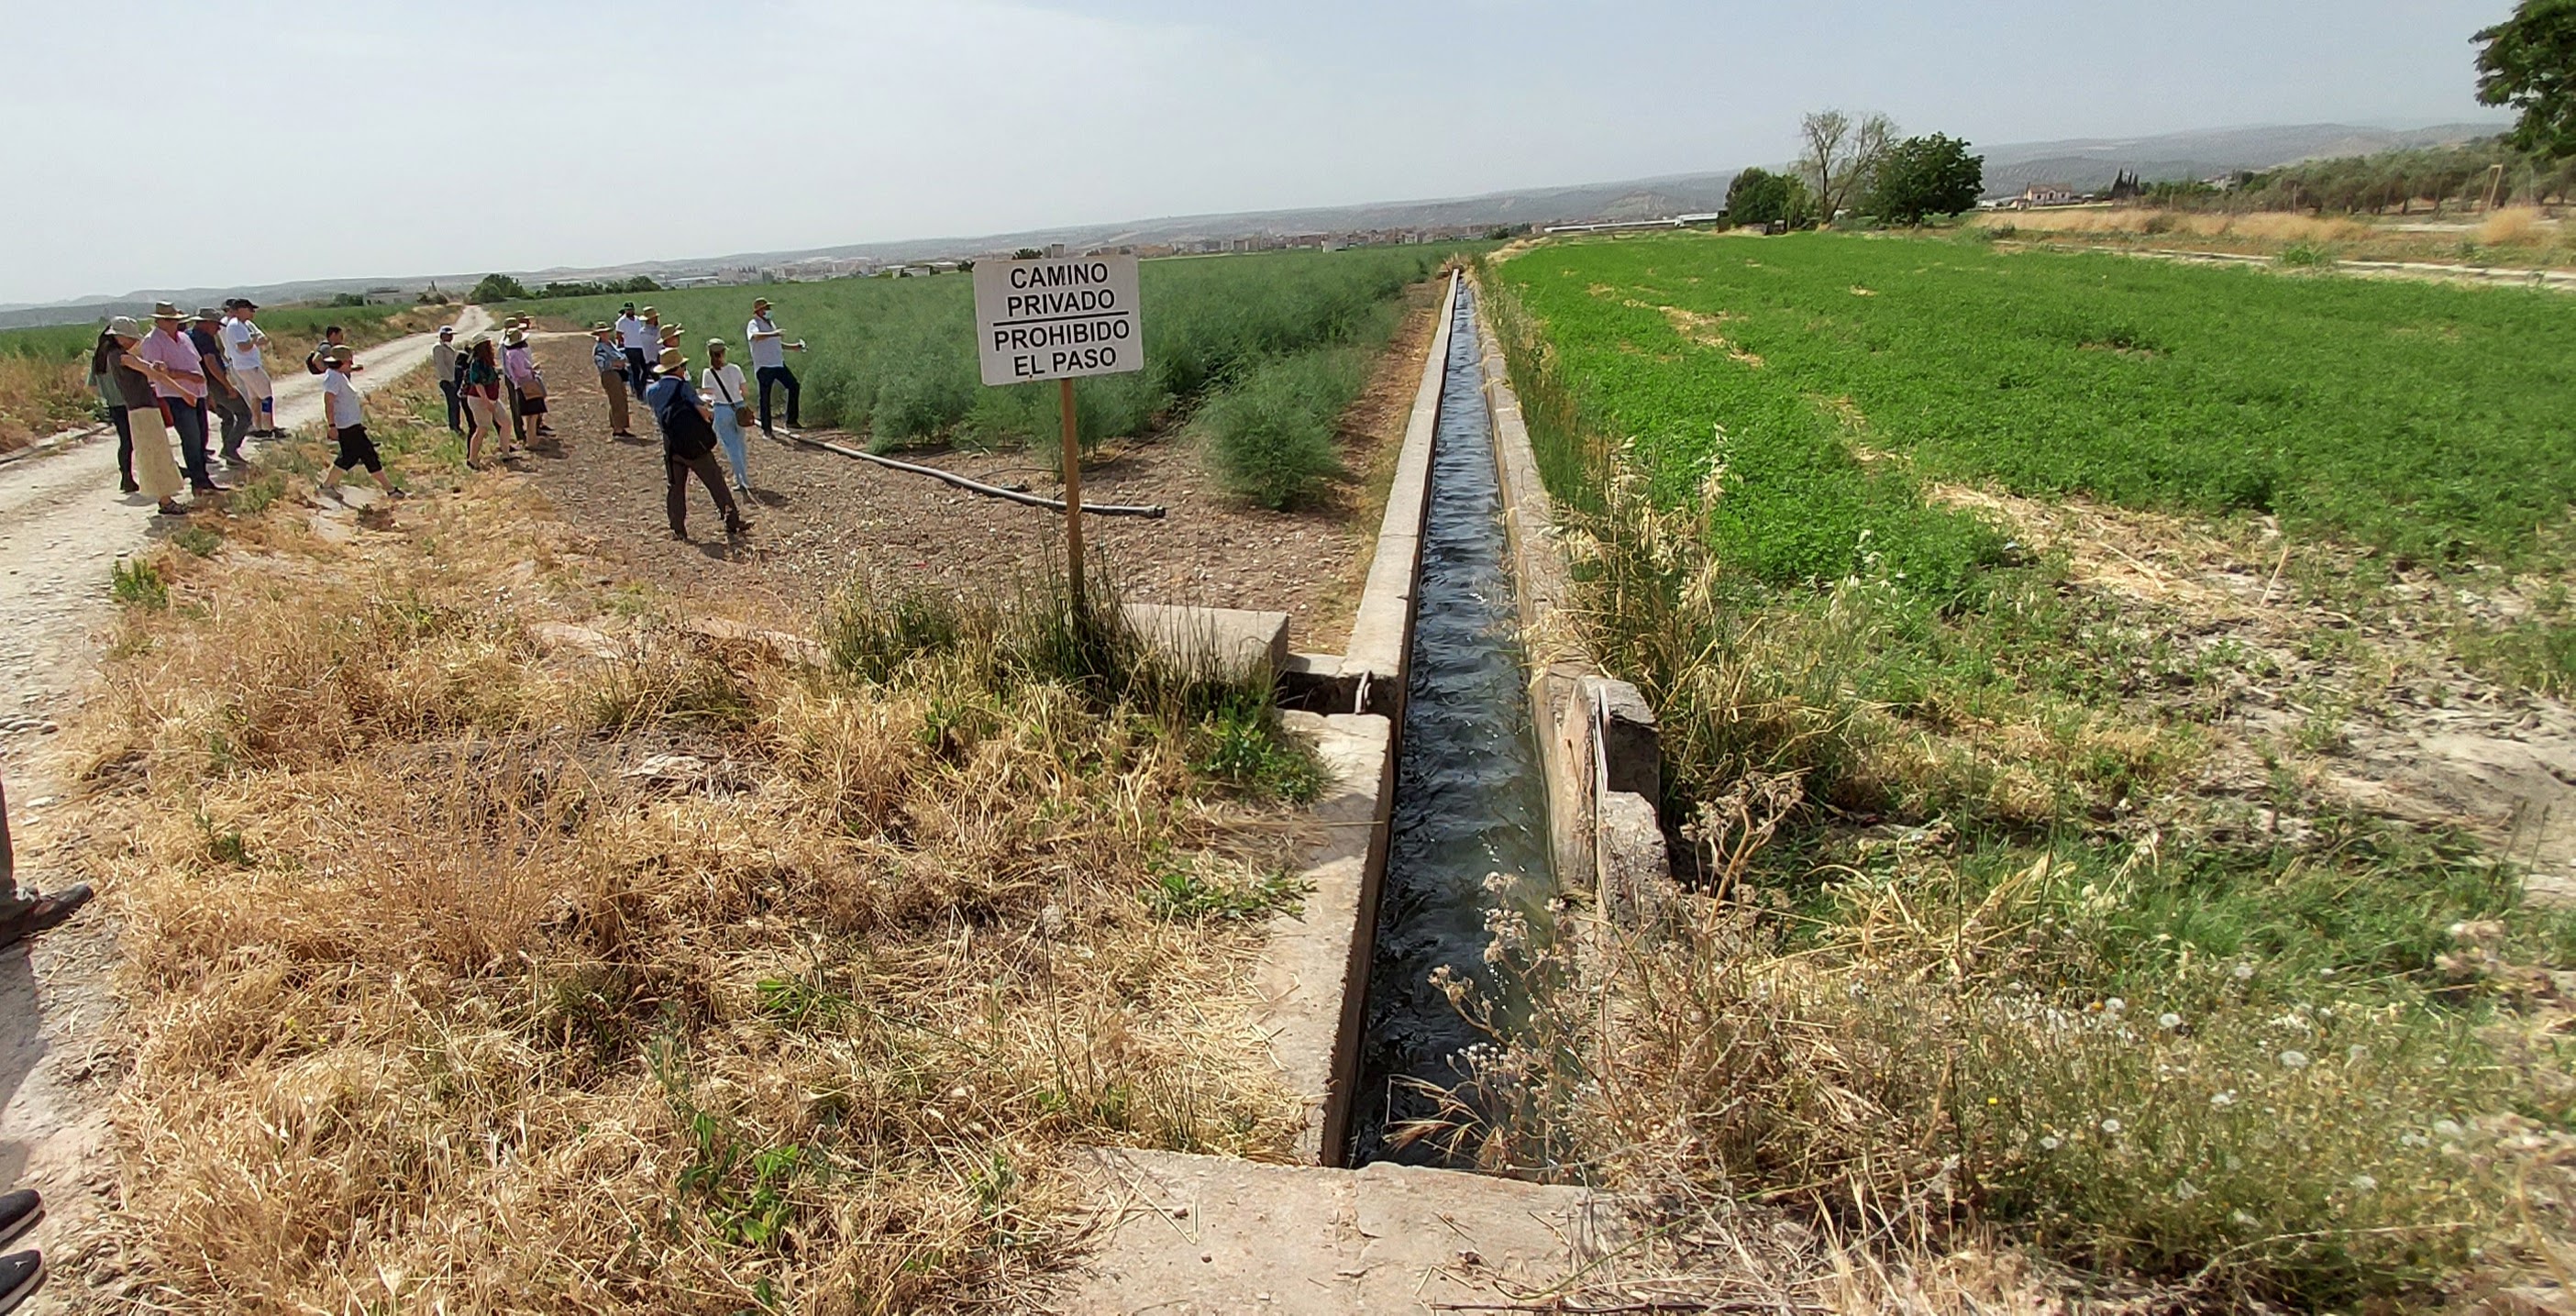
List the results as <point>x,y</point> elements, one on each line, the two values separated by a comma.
<point>2050,1143</point>
<point>2223,1100</point>
<point>2111,1127</point>
<point>2115,1005</point>
<point>2244,971</point>
<point>2294,1060</point>
<point>2168,1021</point>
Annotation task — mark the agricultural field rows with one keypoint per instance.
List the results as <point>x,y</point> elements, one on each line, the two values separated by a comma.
<point>2053,653</point>
<point>1283,337</point>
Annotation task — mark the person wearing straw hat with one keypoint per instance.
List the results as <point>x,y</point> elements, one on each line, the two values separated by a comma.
<point>723,382</point>
<point>610,360</point>
<point>222,399</point>
<point>688,445</point>
<point>178,377</point>
<point>332,336</point>
<point>527,385</point>
<point>769,349</point>
<point>155,475</point>
<point>483,401</point>
<point>344,418</point>
<point>243,344</point>
<point>442,367</point>
<point>635,342</point>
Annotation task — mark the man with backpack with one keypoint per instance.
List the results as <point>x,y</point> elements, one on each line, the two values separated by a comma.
<point>688,428</point>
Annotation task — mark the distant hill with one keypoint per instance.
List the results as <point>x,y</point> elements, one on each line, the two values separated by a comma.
<point>2086,163</point>
<point>2089,164</point>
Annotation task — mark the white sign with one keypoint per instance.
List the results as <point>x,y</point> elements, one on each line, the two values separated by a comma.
<point>1060,317</point>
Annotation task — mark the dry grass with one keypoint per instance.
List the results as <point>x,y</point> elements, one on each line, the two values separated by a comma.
<point>38,397</point>
<point>2515,226</point>
<point>2267,226</point>
<point>470,970</point>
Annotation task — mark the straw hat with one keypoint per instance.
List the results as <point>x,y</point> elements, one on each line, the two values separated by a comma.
<point>514,338</point>
<point>715,344</point>
<point>672,362</point>
<point>123,326</point>
<point>603,328</point>
<point>671,333</point>
<point>208,315</point>
<point>340,356</point>
<point>650,311</point>
<point>760,303</point>
<point>166,311</point>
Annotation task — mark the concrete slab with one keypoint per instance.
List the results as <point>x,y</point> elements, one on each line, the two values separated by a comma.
<point>1196,1235</point>
<point>1213,641</point>
<point>1313,971</point>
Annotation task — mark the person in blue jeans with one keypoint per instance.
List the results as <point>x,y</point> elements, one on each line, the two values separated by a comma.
<point>769,350</point>
<point>721,387</point>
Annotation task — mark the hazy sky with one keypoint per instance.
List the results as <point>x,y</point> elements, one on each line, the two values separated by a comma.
<point>169,143</point>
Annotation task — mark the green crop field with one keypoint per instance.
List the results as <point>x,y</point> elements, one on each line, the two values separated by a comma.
<point>894,359</point>
<point>2427,421</point>
<point>2009,924</point>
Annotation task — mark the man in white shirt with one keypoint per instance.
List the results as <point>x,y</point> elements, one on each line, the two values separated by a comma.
<point>769,350</point>
<point>641,345</point>
<point>345,416</point>
<point>242,340</point>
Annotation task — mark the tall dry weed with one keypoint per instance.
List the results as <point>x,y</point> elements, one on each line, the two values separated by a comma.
<point>472,971</point>
<point>2512,226</point>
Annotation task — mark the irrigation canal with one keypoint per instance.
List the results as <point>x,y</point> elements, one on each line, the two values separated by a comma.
<point>1468,848</point>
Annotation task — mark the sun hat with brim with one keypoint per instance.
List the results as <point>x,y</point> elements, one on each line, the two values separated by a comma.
<point>760,303</point>
<point>206,313</point>
<point>514,338</point>
<point>673,330</point>
<point>603,329</point>
<point>715,344</point>
<point>123,326</point>
<point>650,311</point>
<point>166,311</point>
<point>672,362</point>
<point>340,356</point>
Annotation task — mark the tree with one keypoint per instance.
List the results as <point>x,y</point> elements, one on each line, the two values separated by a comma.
<point>497,288</point>
<point>1840,157</point>
<point>2530,64</point>
<point>1758,196</point>
<point>1922,176</point>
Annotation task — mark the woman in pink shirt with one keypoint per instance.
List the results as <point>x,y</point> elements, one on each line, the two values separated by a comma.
<point>178,375</point>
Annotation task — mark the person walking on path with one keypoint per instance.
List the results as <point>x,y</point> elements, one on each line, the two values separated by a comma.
<point>179,387</point>
<point>332,336</point>
<point>345,418</point>
<point>610,359</point>
<point>483,402</point>
<point>102,381</point>
<point>442,367</point>
<point>527,386</point>
<point>722,382</point>
<point>222,399</point>
<point>769,349</point>
<point>635,340</point>
<point>244,346</point>
<point>155,475</point>
<point>688,445</point>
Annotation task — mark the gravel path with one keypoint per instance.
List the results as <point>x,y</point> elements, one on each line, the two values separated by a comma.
<point>62,526</point>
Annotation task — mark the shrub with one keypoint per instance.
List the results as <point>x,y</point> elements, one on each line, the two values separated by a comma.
<point>2306,255</point>
<point>138,584</point>
<point>1271,438</point>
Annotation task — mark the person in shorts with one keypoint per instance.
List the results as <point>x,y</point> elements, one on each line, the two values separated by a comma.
<point>243,356</point>
<point>344,415</point>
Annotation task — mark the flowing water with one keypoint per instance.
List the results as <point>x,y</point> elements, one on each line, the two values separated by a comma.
<point>1469,798</point>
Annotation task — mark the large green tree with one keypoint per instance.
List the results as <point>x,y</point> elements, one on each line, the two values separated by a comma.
<point>1924,176</point>
<point>2530,64</point>
<point>1758,196</point>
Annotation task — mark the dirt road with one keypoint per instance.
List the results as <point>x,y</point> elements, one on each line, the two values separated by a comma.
<point>62,526</point>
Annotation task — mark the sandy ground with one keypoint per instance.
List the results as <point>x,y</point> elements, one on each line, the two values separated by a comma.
<point>62,526</point>
<point>820,518</point>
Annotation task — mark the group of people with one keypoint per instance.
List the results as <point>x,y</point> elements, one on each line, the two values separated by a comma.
<point>641,356</point>
<point>200,378</point>
<point>203,379</point>
<point>484,385</point>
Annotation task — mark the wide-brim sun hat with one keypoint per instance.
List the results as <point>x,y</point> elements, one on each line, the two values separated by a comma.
<point>672,362</point>
<point>124,326</point>
<point>715,345</point>
<point>514,338</point>
<point>166,311</point>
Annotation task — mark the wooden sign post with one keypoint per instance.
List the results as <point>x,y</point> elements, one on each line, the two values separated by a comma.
<point>1059,318</point>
